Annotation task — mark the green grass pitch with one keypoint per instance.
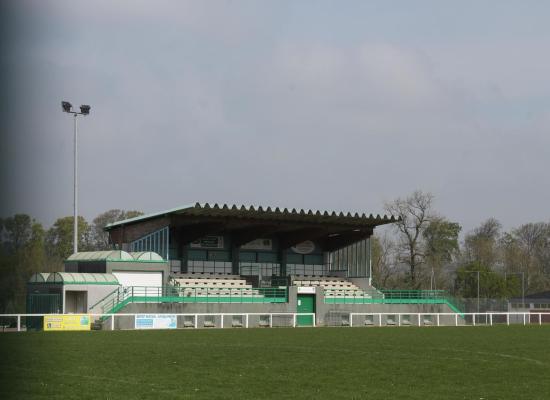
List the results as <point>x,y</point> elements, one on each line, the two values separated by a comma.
<point>317,363</point>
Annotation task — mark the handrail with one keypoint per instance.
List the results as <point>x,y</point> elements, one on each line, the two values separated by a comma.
<point>110,293</point>
<point>393,296</point>
<point>180,294</point>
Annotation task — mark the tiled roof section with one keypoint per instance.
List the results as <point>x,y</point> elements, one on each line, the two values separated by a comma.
<point>267,213</point>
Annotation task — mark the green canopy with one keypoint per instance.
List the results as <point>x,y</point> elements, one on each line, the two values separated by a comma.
<point>74,278</point>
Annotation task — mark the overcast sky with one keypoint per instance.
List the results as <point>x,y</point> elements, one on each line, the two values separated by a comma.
<point>338,105</point>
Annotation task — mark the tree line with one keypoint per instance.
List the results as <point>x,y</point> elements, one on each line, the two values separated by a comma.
<point>423,250</point>
<point>26,247</point>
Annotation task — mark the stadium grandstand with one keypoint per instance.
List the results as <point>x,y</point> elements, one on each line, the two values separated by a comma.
<point>219,259</point>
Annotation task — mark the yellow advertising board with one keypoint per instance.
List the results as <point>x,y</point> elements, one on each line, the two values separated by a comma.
<point>72,322</point>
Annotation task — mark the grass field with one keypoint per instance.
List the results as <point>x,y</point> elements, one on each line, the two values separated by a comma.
<point>377,363</point>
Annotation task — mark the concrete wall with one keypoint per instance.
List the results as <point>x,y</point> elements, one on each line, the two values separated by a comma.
<point>326,314</point>
<point>164,267</point>
<point>125,322</point>
<point>338,314</point>
<point>362,283</point>
<point>95,293</point>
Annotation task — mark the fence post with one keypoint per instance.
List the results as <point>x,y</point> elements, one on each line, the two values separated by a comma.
<point>294,320</point>
<point>523,318</point>
<point>196,321</point>
<point>221,322</point>
<point>379,319</point>
<point>456,319</point>
<point>351,320</point>
<point>419,316</point>
<point>271,320</point>
<point>19,323</point>
<point>507,319</point>
<point>314,324</point>
<point>246,320</point>
<point>113,322</point>
<point>474,319</point>
<point>398,319</point>
<point>437,319</point>
<point>540,319</point>
<point>491,319</point>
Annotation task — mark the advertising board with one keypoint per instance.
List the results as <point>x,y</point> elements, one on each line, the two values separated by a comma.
<point>156,321</point>
<point>72,322</point>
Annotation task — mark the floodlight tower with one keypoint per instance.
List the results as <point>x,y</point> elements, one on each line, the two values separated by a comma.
<point>84,110</point>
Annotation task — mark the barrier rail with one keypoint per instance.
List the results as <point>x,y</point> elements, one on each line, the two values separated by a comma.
<point>219,320</point>
<point>115,301</point>
<point>213,320</point>
<point>456,319</point>
<point>258,268</point>
<point>351,296</point>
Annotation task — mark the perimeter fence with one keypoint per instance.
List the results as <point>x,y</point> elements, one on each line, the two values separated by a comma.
<point>128,321</point>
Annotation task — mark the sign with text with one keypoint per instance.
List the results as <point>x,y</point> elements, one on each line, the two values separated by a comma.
<point>156,321</point>
<point>258,244</point>
<point>72,322</point>
<point>208,242</point>
<point>306,247</point>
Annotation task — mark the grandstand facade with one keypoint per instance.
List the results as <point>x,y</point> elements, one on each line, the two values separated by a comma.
<point>211,260</point>
<point>260,243</point>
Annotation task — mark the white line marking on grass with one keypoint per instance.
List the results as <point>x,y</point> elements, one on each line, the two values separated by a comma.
<point>488,353</point>
<point>103,378</point>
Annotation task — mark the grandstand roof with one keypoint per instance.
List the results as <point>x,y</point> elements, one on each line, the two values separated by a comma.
<point>534,296</point>
<point>73,278</point>
<point>115,255</point>
<point>108,255</point>
<point>330,229</point>
<point>146,256</point>
<point>265,213</point>
<point>39,277</point>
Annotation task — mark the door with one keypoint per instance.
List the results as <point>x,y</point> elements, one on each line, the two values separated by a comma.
<point>76,302</point>
<point>306,304</point>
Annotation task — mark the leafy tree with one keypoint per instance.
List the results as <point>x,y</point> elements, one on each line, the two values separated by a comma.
<point>491,285</point>
<point>100,238</point>
<point>59,238</point>
<point>23,255</point>
<point>17,231</point>
<point>481,245</point>
<point>441,247</point>
<point>526,250</point>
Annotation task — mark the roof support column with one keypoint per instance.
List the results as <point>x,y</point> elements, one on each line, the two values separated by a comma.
<point>282,262</point>
<point>235,259</point>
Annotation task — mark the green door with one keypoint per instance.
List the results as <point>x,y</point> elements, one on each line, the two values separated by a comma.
<point>306,304</point>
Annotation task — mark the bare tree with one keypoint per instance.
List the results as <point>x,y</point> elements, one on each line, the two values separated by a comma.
<point>384,265</point>
<point>414,213</point>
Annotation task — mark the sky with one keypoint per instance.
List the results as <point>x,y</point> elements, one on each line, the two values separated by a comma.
<point>331,105</point>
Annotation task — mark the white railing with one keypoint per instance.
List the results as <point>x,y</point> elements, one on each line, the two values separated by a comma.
<point>346,319</point>
<point>195,316</point>
<point>463,319</point>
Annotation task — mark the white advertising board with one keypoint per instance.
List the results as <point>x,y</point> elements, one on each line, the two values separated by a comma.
<point>306,247</point>
<point>156,321</point>
<point>258,244</point>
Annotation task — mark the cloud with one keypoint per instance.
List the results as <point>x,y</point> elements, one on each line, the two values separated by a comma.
<point>244,102</point>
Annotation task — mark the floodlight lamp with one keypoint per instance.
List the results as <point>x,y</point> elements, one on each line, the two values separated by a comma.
<point>66,106</point>
<point>85,109</point>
